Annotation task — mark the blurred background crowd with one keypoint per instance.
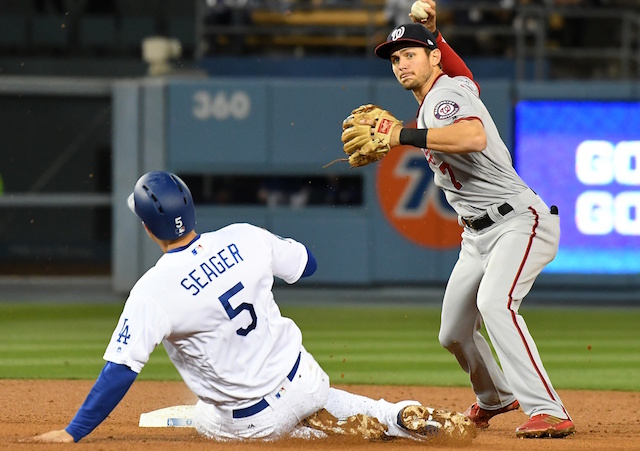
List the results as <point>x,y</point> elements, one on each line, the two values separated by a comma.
<point>555,29</point>
<point>61,59</point>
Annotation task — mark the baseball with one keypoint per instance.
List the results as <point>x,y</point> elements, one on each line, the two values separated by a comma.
<point>420,10</point>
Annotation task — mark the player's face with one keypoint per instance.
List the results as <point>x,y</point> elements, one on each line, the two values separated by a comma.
<point>412,67</point>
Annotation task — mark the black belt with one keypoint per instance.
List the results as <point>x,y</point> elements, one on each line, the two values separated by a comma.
<point>263,404</point>
<point>485,221</point>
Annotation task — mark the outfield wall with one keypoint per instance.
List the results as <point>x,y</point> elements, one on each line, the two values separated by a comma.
<point>282,127</point>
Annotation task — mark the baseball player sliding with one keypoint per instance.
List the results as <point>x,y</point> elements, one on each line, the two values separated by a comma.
<point>509,233</point>
<point>208,299</point>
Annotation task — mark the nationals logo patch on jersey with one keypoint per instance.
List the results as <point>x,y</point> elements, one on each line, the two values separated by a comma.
<point>445,109</point>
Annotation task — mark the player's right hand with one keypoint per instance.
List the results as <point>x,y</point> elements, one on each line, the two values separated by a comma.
<point>60,436</point>
<point>430,22</point>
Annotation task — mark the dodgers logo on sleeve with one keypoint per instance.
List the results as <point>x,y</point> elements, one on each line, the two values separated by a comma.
<point>445,109</point>
<point>124,334</point>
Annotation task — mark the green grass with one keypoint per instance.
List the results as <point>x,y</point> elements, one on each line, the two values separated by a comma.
<point>581,348</point>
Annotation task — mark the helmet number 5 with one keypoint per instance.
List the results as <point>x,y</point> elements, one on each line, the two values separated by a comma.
<point>233,312</point>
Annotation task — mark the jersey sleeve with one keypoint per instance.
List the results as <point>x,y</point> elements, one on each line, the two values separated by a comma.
<point>141,327</point>
<point>447,106</point>
<point>288,257</point>
<point>109,389</point>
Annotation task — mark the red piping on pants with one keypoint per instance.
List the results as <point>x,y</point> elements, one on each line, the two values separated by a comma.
<point>514,315</point>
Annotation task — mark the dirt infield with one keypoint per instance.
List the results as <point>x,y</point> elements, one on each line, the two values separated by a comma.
<point>604,420</point>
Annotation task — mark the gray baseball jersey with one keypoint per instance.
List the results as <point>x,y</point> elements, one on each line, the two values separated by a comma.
<point>471,182</point>
<point>499,260</point>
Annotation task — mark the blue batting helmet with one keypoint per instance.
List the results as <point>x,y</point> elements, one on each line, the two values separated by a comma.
<point>164,203</point>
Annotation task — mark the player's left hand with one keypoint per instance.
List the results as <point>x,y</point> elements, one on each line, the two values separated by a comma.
<point>366,134</point>
<point>60,436</point>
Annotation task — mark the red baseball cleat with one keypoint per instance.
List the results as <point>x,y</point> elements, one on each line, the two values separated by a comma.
<point>545,425</point>
<point>480,417</point>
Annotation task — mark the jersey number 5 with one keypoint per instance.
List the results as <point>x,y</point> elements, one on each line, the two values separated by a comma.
<point>233,312</point>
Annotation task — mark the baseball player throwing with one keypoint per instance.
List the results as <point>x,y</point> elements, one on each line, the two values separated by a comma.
<point>509,233</point>
<point>208,299</point>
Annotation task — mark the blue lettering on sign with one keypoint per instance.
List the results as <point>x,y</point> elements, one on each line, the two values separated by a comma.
<point>416,169</point>
<point>124,334</point>
<point>592,176</point>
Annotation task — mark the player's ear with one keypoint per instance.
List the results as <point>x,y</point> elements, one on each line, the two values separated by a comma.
<point>435,56</point>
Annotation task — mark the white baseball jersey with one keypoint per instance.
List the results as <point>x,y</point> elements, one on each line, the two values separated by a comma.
<point>474,181</point>
<point>210,304</point>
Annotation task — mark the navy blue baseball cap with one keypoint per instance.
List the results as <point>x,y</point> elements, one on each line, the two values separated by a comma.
<point>407,35</point>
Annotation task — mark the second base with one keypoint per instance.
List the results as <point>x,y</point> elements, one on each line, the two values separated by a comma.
<point>174,416</point>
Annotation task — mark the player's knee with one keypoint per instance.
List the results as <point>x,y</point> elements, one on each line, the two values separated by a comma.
<point>450,340</point>
<point>490,306</point>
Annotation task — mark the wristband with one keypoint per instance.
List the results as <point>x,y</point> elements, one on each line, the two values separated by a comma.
<point>436,33</point>
<point>416,137</point>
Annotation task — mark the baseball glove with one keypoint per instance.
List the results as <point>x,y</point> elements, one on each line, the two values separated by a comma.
<point>364,143</point>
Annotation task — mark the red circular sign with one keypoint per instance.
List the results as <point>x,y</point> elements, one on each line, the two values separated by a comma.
<point>412,203</point>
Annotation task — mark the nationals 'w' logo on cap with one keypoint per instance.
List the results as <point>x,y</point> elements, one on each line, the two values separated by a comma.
<point>409,35</point>
<point>397,33</point>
